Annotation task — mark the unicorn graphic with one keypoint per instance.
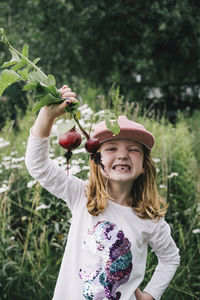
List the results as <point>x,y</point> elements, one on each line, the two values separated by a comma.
<point>114,265</point>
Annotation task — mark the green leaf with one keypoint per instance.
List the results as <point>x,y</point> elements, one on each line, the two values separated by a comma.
<point>113,126</point>
<point>51,80</point>
<point>24,74</point>
<point>47,100</point>
<point>66,126</point>
<point>8,64</point>
<point>72,108</point>
<point>48,89</point>
<point>30,86</point>
<point>110,119</point>
<point>18,65</point>
<point>7,78</point>
<point>25,50</point>
<point>14,60</point>
<point>37,76</point>
<point>35,61</point>
<point>15,56</point>
<point>52,89</point>
<point>43,90</point>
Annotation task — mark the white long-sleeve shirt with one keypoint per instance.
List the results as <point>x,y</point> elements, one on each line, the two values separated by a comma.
<point>105,255</point>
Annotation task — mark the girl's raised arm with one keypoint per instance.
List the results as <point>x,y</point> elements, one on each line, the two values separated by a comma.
<point>46,171</point>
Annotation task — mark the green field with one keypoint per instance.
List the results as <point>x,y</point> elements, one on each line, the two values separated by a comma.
<point>34,224</point>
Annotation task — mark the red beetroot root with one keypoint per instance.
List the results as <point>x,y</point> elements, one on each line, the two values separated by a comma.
<point>70,139</point>
<point>92,145</point>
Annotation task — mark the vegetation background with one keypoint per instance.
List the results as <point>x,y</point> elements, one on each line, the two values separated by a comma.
<point>151,50</point>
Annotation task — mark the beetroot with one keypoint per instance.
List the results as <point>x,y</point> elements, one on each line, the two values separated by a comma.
<point>70,139</point>
<point>92,145</point>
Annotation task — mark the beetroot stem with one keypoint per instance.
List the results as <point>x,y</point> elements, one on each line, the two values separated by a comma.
<point>81,128</point>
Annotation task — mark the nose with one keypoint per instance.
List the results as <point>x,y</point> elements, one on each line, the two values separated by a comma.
<point>122,154</point>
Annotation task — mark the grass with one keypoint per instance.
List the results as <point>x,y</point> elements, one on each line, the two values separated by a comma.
<point>34,224</point>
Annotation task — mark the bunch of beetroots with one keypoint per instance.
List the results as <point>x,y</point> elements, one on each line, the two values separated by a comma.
<point>71,139</point>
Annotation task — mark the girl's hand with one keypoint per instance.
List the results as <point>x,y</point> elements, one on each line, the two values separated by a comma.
<point>55,110</point>
<point>48,114</point>
<point>142,295</point>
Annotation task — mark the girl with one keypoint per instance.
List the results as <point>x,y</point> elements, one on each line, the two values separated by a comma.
<point>115,215</point>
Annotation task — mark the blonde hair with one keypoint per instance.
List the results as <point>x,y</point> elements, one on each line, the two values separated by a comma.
<point>146,201</point>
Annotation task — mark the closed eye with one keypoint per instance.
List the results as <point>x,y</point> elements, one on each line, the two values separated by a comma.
<point>134,150</point>
<point>111,149</point>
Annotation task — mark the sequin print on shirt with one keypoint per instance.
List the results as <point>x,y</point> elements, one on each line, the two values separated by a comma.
<point>114,265</point>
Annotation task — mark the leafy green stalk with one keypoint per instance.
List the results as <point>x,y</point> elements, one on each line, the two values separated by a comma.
<point>29,62</point>
<point>21,68</point>
<point>5,40</point>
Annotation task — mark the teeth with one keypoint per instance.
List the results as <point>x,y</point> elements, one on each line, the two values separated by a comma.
<point>121,168</point>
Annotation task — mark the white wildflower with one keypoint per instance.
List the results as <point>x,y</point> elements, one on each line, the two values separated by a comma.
<point>13,153</point>
<point>162,186</point>
<point>6,165</point>
<point>77,151</point>
<point>85,168</point>
<point>42,206</point>
<point>74,169</point>
<point>157,170</point>
<point>60,160</point>
<point>55,142</point>
<point>31,183</point>
<point>6,158</point>
<point>15,160</point>
<point>3,143</point>
<point>86,111</point>
<point>172,175</point>
<point>196,231</point>
<point>77,162</point>
<point>16,166</point>
<point>9,165</point>
<point>4,188</point>
<point>156,160</point>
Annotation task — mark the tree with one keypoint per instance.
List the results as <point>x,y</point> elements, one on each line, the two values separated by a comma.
<point>150,48</point>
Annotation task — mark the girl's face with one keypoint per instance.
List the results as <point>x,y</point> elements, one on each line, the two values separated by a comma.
<point>122,159</point>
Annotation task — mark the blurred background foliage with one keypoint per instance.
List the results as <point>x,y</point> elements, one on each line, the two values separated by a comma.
<point>151,49</point>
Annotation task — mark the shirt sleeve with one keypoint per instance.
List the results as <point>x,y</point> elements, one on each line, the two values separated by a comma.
<point>168,257</point>
<point>50,175</point>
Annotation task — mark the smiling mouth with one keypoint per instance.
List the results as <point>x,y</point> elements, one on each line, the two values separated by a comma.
<point>122,167</point>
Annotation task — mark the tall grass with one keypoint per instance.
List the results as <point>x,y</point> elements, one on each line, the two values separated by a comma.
<point>34,224</point>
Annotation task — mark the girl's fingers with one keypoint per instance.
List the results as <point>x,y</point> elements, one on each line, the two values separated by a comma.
<point>69,100</point>
<point>64,89</point>
<point>68,94</point>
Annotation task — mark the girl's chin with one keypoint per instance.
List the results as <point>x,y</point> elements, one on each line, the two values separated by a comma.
<point>122,176</point>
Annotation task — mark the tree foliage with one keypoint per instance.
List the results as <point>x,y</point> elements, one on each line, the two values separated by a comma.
<point>151,49</point>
